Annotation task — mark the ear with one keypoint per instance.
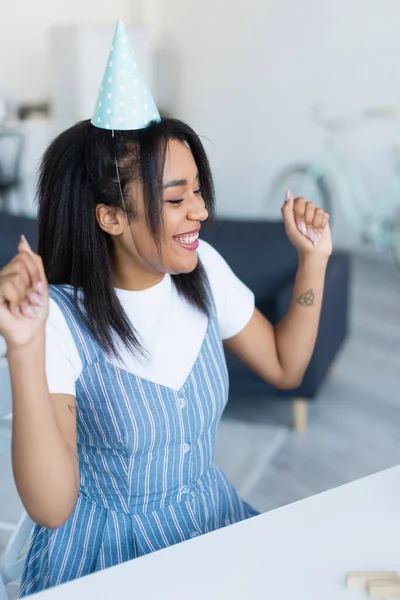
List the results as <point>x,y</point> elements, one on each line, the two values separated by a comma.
<point>110,219</point>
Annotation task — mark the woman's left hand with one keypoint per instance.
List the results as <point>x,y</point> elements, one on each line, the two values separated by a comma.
<point>307,226</point>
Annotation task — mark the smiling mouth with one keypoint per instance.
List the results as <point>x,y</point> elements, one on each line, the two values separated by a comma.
<point>189,240</point>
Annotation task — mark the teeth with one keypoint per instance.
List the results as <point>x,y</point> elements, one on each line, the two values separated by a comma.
<point>189,239</point>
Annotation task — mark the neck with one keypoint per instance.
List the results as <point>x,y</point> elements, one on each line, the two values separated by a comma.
<point>135,281</point>
<point>132,277</point>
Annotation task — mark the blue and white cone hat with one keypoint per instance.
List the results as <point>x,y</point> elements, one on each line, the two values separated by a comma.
<point>124,101</point>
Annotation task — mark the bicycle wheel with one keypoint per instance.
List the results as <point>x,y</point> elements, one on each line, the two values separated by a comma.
<point>300,180</point>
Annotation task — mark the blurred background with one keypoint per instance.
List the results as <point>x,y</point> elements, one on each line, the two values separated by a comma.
<point>303,95</point>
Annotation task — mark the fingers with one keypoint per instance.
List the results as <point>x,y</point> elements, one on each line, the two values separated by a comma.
<point>24,272</point>
<point>288,213</point>
<point>311,221</point>
<point>299,214</point>
<point>318,220</point>
<point>26,309</point>
<point>23,282</point>
<point>14,293</point>
<point>11,294</point>
<point>326,220</point>
<point>309,214</point>
<point>35,265</point>
<point>26,267</point>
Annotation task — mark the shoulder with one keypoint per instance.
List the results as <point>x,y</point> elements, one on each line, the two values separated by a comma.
<point>57,330</point>
<point>234,301</point>
<point>219,273</point>
<point>60,294</point>
<point>205,250</point>
<point>210,258</point>
<point>63,364</point>
<point>60,304</point>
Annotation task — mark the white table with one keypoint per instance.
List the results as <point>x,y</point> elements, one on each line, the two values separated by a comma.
<point>301,551</point>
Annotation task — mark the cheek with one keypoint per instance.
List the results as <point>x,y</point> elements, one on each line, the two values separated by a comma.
<point>144,242</point>
<point>171,254</point>
<point>172,224</point>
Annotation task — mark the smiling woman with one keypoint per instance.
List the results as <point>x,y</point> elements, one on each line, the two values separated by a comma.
<point>143,213</point>
<point>115,338</point>
<point>170,248</point>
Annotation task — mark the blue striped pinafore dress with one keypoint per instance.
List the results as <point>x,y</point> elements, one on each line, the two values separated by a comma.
<point>146,459</point>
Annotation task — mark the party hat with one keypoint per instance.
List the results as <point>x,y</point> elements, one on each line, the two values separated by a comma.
<point>124,100</point>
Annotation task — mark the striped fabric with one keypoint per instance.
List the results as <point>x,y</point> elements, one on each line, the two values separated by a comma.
<point>146,460</point>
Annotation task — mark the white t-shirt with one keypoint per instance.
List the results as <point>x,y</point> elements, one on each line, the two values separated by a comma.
<point>171,331</point>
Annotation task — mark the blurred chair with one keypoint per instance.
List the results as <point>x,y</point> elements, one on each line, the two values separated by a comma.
<point>11,562</point>
<point>11,151</point>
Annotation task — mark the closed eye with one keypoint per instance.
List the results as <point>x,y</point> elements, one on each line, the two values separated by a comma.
<point>198,192</point>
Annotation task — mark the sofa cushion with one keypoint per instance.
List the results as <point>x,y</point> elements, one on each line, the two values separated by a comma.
<point>11,228</point>
<point>331,334</point>
<point>258,252</point>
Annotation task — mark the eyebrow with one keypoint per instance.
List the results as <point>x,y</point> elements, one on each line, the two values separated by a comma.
<point>177,183</point>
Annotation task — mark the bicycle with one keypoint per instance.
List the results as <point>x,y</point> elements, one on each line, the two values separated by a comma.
<point>333,177</point>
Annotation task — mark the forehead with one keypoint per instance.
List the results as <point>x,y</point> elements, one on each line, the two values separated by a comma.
<point>179,162</point>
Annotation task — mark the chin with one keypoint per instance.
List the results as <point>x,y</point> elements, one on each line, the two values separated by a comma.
<point>185,267</point>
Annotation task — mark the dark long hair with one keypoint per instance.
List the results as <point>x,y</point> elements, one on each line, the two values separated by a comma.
<point>78,172</point>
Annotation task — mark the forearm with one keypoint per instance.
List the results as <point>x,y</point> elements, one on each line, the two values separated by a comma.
<point>45,470</point>
<point>296,334</point>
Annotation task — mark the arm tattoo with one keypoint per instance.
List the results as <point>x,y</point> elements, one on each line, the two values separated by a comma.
<point>306,299</point>
<point>71,408</point>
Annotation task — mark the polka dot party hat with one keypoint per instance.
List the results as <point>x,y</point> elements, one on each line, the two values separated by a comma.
<point>124,100</point>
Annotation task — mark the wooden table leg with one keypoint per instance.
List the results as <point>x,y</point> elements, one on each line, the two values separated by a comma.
<point>300,414</point>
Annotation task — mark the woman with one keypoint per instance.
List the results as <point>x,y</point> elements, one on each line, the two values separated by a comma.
<point>117,399</point>
<point>117,366</point>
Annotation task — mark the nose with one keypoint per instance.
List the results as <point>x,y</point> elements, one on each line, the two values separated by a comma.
<point>197,210</point>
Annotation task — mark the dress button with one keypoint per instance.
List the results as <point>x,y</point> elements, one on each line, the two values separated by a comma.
<point>184,489</point>
<point>186,448</point>
<point>194,534</point>
<point>181,402</point>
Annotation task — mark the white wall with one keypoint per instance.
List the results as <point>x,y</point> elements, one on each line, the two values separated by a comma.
<point>244,73</point>
<point>247,72</point>
<point>24,38</point>
<point>26,75</point>
<point>78,58</point>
